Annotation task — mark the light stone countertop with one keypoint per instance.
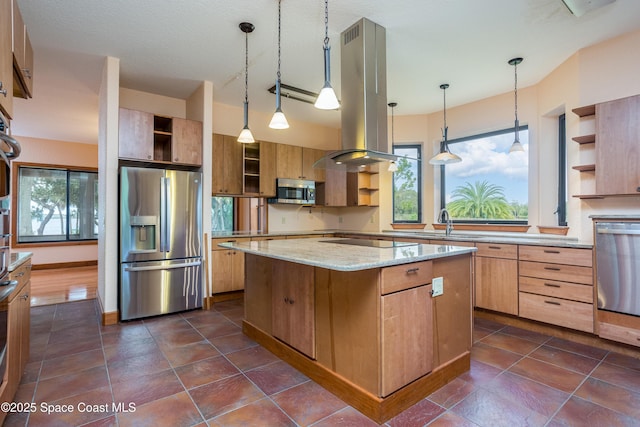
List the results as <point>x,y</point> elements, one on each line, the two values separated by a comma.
<point>318,252</point>
<point>17,259</point>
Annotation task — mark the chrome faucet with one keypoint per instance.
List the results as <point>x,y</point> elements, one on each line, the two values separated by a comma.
<point>444,217</point>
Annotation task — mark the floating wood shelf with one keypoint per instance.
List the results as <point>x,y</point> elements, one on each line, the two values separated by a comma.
<point>588,196</point>
<point>588,110</point>
<point>585,168</point>
<point>585,139</point>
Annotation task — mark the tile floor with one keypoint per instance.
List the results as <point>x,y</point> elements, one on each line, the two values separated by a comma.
<point>197,369</point>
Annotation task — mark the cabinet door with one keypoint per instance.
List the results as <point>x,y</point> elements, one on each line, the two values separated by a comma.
<point>268,158</point>
<point>289,161</point>
<point>135,135</point>
<point>6,61</point>
<point>309,157</point>
<point>293,306</point>
<point>335,188</point>
<point>233,167</point>
<point>186,142</point>
<point>497,284</point>
<point>617,147</point>
<point>221,271</point>
<point>407,337</point>
<point>237,270</point>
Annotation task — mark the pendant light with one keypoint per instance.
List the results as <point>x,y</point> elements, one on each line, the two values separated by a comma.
<point>278,121</point>
<point>392,164</point>
<point>444,157</point>
<point>327,99</point>
<point>246,137</point>
<point>516,146</point>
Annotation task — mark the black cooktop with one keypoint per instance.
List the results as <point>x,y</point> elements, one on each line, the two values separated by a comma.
<point>371,243</point>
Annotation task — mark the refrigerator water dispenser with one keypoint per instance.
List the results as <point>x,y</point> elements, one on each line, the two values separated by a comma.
<point>144,236</point>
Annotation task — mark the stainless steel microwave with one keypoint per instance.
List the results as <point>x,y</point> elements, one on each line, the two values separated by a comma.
<point>295,191</point>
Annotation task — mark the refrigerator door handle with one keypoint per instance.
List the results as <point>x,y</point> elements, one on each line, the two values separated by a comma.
<point>163,218</point>
<point>167,214</point>
<point>164,267</point>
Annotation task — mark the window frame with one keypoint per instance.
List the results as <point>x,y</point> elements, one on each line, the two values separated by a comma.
<point>562,171</point>
<point>15,167</point>
<point>443,180</point>
<point>418,147</point>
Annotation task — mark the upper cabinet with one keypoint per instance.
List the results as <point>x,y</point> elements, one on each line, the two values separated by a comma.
<point>615,141</point>
<point>147,137</point>
<point>22,55</point>
<point>6,61</point>
<point>226,173</point>
<point>296,162</point>
<point>363,188</point>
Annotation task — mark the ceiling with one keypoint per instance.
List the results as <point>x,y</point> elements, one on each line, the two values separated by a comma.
<point>170,50</point>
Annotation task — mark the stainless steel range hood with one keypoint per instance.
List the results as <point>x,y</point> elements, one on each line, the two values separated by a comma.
<point>364,98</point>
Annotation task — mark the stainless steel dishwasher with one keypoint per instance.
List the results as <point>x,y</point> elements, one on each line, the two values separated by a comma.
<point>618,266</point>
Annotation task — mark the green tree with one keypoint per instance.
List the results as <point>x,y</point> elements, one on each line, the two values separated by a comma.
<point>479,200</point>
<point>405,194</point>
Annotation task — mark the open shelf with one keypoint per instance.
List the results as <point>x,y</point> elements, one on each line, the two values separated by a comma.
<point>585,168</point>
<point>585,139</point>
<point>587,110</point>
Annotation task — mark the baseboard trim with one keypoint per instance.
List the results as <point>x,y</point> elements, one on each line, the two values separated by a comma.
<point>72,264</point>
<point>226,296</point>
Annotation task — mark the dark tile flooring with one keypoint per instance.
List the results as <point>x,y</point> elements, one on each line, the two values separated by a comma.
<point>197,369</point>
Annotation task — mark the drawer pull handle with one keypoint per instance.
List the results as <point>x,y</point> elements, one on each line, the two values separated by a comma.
<point>549,251</point>
<point>287,300</point>
<point>552,302</point>
<point>413,270</point>
<point>495,247</point>
<point>20,274</point>
<point>552,268</point>
<point>552,285</point>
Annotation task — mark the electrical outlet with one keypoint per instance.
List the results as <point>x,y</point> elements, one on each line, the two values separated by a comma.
<point>340,220</point>
<point>437,286</point>
<point>283,220</point>
<point>371,219</point>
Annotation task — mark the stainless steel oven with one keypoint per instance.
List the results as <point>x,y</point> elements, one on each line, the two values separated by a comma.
<point>295,191</point>
<point>9,149</point>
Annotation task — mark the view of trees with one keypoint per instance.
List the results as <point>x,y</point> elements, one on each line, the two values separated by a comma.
<point>222,214</point>
<point>483,200</point>
<point>405,192</point>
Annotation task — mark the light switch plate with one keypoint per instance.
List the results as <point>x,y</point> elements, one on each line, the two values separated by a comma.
<point>437,286</point>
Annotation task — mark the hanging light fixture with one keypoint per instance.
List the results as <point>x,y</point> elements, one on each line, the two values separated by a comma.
<point>327,99</point>
<point>393,166</point>
<point>516,146</point>
<point>246,137</point>
<point>444,157</point>
<point>278,121</point>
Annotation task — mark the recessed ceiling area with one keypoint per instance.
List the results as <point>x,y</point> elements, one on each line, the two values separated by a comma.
<point>170,50</point>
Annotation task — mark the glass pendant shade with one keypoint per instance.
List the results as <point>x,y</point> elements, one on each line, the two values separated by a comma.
<point>516,146</point>
<point>278,121</point>
<point>393,167</point>
<point>246,137</point>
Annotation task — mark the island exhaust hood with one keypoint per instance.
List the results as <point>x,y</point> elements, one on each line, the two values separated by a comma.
<point>364,99</point>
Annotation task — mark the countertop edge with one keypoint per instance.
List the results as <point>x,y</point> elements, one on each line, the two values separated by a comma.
<point>20,258</point>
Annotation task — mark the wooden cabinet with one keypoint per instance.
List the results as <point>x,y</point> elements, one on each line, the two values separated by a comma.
<point>619,327</point>
<point>6,60</point>
<point>333,191</point>
<point>496,270</point>
<point>618,148</point>
<point>227,267</point>
<point>22,56</point>
<point>18,332</point>
<point>227,159</point>
<point>556,286</point>
<point>151,138</point>
<point>296,162</point>
<point>293,305</point>
<point>363,188</point>
<point>260,169</point>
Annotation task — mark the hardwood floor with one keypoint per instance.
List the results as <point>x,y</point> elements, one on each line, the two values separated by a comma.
<point>60,285</point>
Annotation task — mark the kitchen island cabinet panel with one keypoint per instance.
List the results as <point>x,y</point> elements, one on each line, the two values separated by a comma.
<point>258,289</point>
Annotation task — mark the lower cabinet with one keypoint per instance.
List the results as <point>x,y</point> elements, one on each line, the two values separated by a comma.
<point>18,333</point>
<point>293,305</point>
<point>497,277</point>
<point>227,267</point>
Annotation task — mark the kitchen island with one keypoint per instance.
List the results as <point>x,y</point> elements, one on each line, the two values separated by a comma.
<point>359,317</point>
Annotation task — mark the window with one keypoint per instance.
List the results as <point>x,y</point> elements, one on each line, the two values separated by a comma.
<point>221,214</point>
<point>490,185</point>
<point>56,204</point>
<point>562,171</point>
<point>407,185</point>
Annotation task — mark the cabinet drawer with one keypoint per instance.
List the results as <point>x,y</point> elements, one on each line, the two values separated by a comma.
<point>405,276</point>
<point>551,254</point>
<point>497,250</point>
<point>619,333</point>
<point>561,312</point>
<point>216,242</point>
<point>22,274</point>
<point>563,273</point>
<point>554,288</point>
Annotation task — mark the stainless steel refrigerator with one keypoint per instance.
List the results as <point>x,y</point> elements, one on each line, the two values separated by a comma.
<point>160,241</point>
